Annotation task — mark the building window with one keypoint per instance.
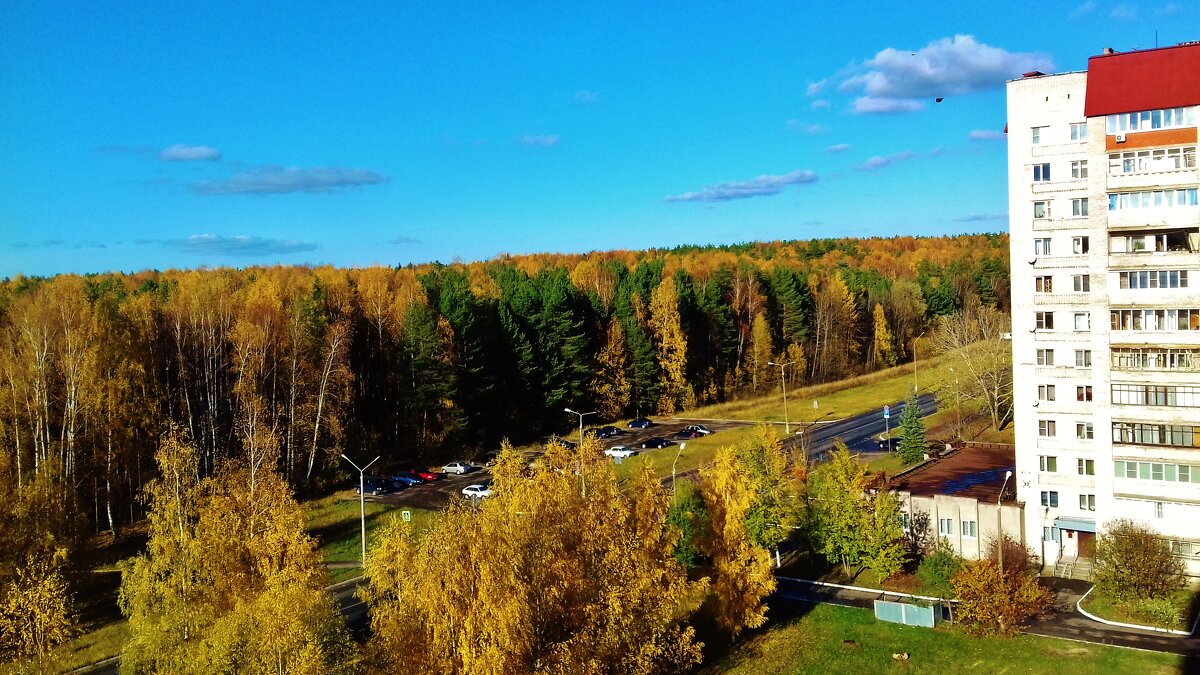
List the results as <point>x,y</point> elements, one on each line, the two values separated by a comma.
<point>1046,428</point>
<point>1050,498</point>
<point>1079,207</point>
<point>1087,467</point>
<point>969,530</point>
<point>1145,120</point>
<point>946,527</point>
<point>1045,392</point>
<point>1045,357</point>
<point>1041,246</point>
<point>1048,463</point>
<point>1079,131</point>
<point>1043,320</point>
<point>1083,431</point>
<point>1087,502</point>
<point>1158,509</point>
<point>1041,172</point>
<point>1145,433</point>
<point>1041,209</point>
<point>1151,199</point>
<point>1050,533</point>
<point>1170,320</point>
<point>1083,358</point>
<point>905,521</point>
<point>1043,284</point>
<point>1155,358</point>
<point>1082,283</point>
<point>1079,245</point>
<point>1083,393</point>
<point>1164,395</point>
<point>1036,135</point>
<point>1143,161</point>
<point>1079,169</point>
<point>1083,321</point>
<point>1154,279</point>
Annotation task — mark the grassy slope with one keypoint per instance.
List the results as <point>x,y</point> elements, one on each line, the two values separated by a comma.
<point>813,643</point>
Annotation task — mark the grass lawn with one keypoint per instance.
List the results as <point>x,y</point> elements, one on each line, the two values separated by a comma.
<point>90,647</point>
<point>1107,608</point>
<point>336,523</point>
<point>819,642</point>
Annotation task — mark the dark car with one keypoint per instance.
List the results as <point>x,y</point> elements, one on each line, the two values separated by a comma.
<point>373,485</point>
<point>608,432</point>
<point>889,444</point>
<point>570,445</point>
<point>684,435</point>
<point>406,478</point>
<point>640,423</point>
<point>656,442</point>
<point>700,429</point>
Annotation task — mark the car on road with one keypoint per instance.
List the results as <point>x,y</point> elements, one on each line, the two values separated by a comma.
<point>684,434</point>
<point>427,476</point>
<point>406,479</point>
<point>889,444</point>
<point>620,452</point>
<point>700,429</point>
<point>457,467</point>
<point>373,485</point>
<point>608,432</point>
<point>640,423</point>
<point>656,442</point>
<point>478,491</point>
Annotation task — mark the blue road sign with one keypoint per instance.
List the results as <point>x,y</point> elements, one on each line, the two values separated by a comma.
<point>887,412</point>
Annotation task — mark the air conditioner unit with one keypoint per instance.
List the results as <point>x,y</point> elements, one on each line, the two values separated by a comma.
<point>1120,138</point>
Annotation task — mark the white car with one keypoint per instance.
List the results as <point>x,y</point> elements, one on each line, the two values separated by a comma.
<point>698,428</point>
<point>456,467</point>
<point>620,451</point>
<point>478,491</point>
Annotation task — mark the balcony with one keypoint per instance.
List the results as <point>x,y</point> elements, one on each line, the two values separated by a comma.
<point>1055,186</point>
<point>1061,479</point>
<point>1062,299</point>
<point>1153,180</point>
<point>1055,262</point>
<point>1154,218</point>
<point>1054,224</point>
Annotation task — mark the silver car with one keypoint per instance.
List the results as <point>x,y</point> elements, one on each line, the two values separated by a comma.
<point>456,467</point>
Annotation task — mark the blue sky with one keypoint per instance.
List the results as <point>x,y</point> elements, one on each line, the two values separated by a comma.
<point>142,135</point>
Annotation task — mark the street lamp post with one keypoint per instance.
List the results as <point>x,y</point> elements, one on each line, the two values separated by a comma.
<point>915,359</point>
<point>787,430</point>
<point>957,406</point>
<point>581,416</point>
<point>999,531</point>
<point>677,453</point>
<point>362,501</point>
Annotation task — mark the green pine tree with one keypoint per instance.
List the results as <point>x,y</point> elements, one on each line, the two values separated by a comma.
<point>913,445</point>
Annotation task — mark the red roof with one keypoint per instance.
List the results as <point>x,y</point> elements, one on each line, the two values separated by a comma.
<point>1150,79</point>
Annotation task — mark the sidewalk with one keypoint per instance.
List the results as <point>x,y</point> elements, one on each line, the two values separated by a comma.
<point>1063,622</point>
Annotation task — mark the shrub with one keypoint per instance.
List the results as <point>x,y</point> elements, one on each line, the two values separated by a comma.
<point>992,602</point>
<point>937,570</point>
<point>1018,559</point>
<point>1132,563</point>
<point>1161,612</point>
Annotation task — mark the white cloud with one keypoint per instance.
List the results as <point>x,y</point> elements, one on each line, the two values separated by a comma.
<point>585,97</point>
<point>797,126</point>
<point>872,105</point>
<point>981,217</point>
<point>744,189</point>
<point>985,135</point>
<point>895,80</point>
<point>815,88</point>
<point>819,104</point>
<point>533,140</point>
<point>1084,10</point>
<point>280,180</point>
<point>189,153</point>
<point>880,161</point>
<point>1170,9</point>
<point>240,245</point>
<point>840,147</point>
<point>1124,13</point>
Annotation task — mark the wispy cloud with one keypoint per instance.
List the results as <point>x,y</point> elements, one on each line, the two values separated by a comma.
<point>981,217</point>
<point>1169,9</point>
<point>985,135</point>
<point>212,244</point>
<point>819,104</point>
<point>587,97</point>
<point>1083,10</point>
<point>838,147</point>
<point>897,80</point>
<point>533,140</point>
<point>755,187</point>
<point>880,161</point>
<point>268,180</point>
<point>189,153</point>
<point>815,88</point>
<point>796,126</point>
<point>1124,13</point>
<point>59,244</point>
<point>404,241</point>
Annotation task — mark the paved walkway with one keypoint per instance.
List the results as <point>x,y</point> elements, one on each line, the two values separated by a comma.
<point>1063,622</point>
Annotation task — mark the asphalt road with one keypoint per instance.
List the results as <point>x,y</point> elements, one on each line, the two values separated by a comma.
<point>860,433</point>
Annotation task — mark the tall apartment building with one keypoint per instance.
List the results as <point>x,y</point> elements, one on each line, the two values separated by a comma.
<point>1105,237</point>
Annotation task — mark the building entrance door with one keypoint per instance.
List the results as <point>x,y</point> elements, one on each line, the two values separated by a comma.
<point>1087,544</point>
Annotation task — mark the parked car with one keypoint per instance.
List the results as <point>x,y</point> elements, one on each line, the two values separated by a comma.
<point>478,491</point>
<point>456,467</point>
<point>570,445</point>
<point>640,423</point>
<point>406,479</point>
<point>427,476</point>
<point>684,434</point>
<point>608,432</point>
<point>373,485</point>
<point>656,442</point>
<point>699,429</point>
<point>889,444</point>
<point>620,451</point>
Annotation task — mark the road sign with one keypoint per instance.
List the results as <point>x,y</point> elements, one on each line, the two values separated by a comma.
<point>406,515</point>
<point>887,412</point>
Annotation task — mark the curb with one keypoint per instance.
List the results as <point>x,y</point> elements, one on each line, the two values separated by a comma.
<point>864,589</point>
<point>1079,608</point>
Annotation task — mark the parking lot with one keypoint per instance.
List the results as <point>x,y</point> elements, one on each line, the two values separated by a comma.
<point>437,494</point>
